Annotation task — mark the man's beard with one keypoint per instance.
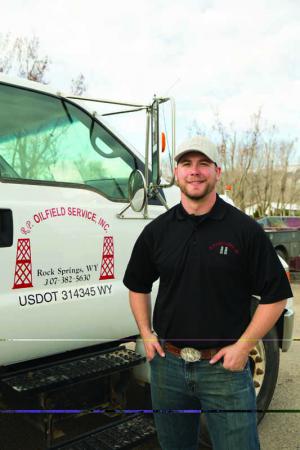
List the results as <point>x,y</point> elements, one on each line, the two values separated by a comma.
<point>209,188</point>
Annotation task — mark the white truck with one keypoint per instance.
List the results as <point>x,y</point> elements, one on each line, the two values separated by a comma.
<point>73,199</point>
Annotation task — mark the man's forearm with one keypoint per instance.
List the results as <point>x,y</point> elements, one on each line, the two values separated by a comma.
<point>141,307</point>
<point>265,317</point>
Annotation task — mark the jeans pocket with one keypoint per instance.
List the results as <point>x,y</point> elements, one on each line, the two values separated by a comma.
<point>154,357</point>
<point>233,371</point>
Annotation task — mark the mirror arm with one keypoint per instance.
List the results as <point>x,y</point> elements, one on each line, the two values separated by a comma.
<point>120,214</point>
<point>173,108</point>
<point>154,192</point>
<point>162,200</point>
<point>148,117</point>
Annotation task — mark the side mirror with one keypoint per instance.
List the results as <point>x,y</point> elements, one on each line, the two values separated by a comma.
<point>137,190</point>
<point>163,148</point>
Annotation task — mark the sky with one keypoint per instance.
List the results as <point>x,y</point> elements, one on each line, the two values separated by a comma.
<point>224,57</point>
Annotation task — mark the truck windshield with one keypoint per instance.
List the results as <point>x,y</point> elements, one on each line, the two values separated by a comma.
<point>47,139</point>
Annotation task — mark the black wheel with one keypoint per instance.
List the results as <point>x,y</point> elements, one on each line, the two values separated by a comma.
<point>264,363</point>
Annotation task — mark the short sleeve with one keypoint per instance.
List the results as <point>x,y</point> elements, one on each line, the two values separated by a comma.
<point>141,271</point>
<point>268,277</point>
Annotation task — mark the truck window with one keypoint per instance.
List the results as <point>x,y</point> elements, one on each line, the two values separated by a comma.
<point>292,222</point>
<point>50,140</point>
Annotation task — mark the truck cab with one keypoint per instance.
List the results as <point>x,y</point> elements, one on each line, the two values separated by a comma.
<point>64,239</point>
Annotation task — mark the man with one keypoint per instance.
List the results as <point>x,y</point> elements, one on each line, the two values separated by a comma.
<point>210,258</point>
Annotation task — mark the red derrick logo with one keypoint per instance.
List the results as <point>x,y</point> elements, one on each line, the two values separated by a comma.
<point>107,265</point>
<point>23,270</point>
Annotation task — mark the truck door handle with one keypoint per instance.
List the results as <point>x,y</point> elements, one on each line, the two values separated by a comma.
<point>6,228</point>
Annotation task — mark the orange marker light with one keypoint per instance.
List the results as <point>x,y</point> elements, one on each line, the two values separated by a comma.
<point>163,142</point>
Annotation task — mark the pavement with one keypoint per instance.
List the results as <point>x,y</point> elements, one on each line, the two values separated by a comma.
<point>280,430</point>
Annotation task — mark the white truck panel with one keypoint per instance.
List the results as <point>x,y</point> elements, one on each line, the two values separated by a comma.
<point>67,306</point>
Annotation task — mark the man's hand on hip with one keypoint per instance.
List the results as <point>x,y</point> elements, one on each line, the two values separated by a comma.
<point>152,346</point>
<point>234,357</point>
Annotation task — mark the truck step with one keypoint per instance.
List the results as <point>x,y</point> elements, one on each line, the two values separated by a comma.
<point>125,434</point>
<point>48,377</point>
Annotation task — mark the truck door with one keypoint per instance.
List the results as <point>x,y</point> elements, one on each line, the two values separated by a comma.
<point>63,251</point>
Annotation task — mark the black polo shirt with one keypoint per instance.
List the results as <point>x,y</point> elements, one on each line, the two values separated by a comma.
<point>209,266</point>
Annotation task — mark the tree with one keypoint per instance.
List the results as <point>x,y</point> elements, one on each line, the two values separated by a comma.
<point>78,85</point>
<point>32,155</point>
<point>256,163</point>
<point>21,57</point>
<point>6,53</point>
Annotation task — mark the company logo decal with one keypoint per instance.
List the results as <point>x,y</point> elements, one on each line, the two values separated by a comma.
<point>61,281</point>
<point>223,248</point>
<point>23,270</point>
<point>107,266</point>
<point>52,213</point>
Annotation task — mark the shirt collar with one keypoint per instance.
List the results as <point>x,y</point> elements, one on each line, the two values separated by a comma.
<point>217,212</point>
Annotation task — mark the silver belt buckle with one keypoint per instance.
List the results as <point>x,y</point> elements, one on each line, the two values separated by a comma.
<point>190,354</point>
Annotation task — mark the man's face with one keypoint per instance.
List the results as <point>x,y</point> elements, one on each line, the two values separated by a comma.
<point>196,175</point>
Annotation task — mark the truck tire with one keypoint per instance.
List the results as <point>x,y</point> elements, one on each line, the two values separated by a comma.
<point>265,383</point>
<point>264,364</point>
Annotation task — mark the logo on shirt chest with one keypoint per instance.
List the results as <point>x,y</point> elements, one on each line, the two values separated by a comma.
<point>223,248</point>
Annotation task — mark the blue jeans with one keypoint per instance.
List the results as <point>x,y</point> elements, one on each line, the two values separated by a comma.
<point>227,398</point>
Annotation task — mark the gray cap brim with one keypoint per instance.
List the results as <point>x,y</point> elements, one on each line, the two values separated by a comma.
<point>198,144</point>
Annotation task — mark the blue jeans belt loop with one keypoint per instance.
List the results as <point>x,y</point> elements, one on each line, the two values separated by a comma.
<point>190,354</point>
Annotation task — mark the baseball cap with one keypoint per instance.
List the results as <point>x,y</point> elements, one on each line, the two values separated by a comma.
<point>199,144</point>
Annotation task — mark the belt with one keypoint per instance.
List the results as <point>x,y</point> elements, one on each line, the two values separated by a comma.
<point>190,354</point>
